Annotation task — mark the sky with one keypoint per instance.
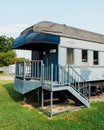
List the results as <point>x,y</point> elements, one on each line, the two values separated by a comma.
<point>17,15</point>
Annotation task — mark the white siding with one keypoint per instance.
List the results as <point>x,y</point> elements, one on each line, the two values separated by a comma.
<point>91,73</point>
<point>101,58</point>
<point>77,57</point>
<point>90,58</point>
<point>62,56</point>
<point>87,70</point>
<point>74,43</point>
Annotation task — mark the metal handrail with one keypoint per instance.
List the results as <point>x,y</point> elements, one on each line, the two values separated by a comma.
<point>55,75</point>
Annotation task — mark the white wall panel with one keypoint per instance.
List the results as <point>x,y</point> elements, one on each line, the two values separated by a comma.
<point>74,43</point>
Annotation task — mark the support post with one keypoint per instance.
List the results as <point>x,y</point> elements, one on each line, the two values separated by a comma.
<point>51,103</point>
<point>16,70</point>
<point>69,74</point>
<point>89,91</point>
<point>78,85</point>
<point>42,74</point>
<point>51,76</point>
<point>42,102</point>
<point>59,74</point>
<point>24,69</point>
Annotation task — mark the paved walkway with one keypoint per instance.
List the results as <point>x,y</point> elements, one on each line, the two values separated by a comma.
<point>7,77</point>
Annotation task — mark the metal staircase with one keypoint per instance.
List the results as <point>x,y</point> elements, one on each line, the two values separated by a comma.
<point>34,74</point>
<point>66,78</point>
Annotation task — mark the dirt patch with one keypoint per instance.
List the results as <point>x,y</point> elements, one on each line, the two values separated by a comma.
<point>97,98</point>
<point>7,77</point>
<point>67,105</point>
<point>29,104</point>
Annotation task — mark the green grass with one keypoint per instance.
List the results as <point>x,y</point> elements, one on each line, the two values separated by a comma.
<point>2,74</point>
<point>14,116</point>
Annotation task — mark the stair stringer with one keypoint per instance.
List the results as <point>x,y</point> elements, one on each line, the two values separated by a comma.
<point>79,96</point>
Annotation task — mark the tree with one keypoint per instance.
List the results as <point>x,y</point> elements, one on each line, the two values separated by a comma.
<point>5,43</point>
<point>6,53</point>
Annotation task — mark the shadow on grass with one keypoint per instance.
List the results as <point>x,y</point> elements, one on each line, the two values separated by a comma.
<point>17,97</point>
<point>13,94</point>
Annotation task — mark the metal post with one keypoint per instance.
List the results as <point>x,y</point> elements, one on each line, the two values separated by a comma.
<point>89,91</point>
<point>16,70</point>
<point>24,69</point>
<point>51,102</point>
<point>42,102</point>
<point>51,76</point>
<point>59,74</point>
<point>78,85</point>
<point>69,74</point>
<point>43,74</point>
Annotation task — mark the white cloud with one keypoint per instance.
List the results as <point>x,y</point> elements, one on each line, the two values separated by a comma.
<point>12,30</point>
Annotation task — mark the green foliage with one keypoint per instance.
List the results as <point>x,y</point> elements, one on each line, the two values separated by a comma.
<point>7,57</point>
<point>6,53</point>
<point>16,59</point>
<point>13,116</point>
<point>5,43</point>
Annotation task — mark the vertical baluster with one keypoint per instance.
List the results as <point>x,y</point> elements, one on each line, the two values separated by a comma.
<point>24,70</point>
<point>78,85</point>
<point>69,73</point>
<point>58,74</point>
<point>83,88</point>
<point>32,68</point>
<point>37,69</point>
<point>75,81</point>
<point>44,72</point>
<point>19,69</point>
<point>47,73</point>
<point>72,76</point>
<point>51,76</point>
<point>29,69</point>
<point>43,76</point>
<point>16,70</point>
<point>89,90</point>
<point>62,74</point>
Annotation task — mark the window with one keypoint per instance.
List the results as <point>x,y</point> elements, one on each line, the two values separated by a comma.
<point>95,57</point>
<point>84,56</point>
<point>70,59</point>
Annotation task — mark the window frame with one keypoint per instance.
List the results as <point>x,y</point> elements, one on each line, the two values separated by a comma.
<point>95,58</point>
<point>84,55</point>
<point>72,56</point>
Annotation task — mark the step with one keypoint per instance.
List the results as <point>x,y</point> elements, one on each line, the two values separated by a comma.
<point>79,96</point>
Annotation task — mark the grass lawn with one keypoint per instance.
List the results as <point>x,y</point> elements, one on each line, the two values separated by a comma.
<point>14,116</point>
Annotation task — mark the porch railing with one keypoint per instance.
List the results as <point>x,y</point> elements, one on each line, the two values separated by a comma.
<point>54,75</point>
<point>58,75</point>
<point>29,70</point>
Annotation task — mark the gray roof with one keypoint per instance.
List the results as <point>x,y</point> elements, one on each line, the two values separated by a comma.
<point>66,31</point>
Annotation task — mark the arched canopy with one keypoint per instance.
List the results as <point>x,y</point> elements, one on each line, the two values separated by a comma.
<point>28,39</point>
<point>50,33</point>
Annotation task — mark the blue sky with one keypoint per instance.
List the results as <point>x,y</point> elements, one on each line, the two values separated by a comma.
<point>16,15</point>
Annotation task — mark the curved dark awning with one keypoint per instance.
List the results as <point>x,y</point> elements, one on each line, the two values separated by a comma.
<point>30,37</point>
